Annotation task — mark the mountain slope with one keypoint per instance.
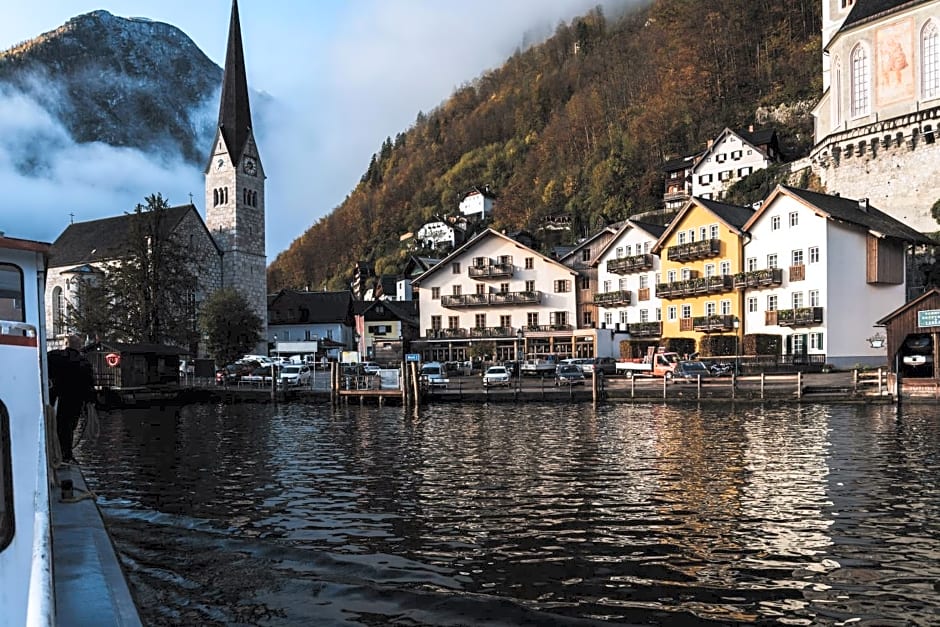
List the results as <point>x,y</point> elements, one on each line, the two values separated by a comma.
<point>123,82</point>
<point>579,125</point>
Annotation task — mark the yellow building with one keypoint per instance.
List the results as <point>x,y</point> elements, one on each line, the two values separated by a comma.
<point>700,252</point>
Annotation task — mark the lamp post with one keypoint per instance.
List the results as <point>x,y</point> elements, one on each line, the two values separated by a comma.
<point>737,346</point>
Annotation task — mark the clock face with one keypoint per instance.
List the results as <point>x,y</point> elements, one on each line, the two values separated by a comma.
<point>250,166</point>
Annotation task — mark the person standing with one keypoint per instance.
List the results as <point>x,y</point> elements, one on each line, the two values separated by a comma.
<point>72,383</point>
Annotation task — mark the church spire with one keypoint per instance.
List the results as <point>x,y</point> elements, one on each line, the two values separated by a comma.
<point>234,111</point>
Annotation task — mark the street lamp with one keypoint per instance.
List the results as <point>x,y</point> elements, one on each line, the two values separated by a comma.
<point>737,346</point>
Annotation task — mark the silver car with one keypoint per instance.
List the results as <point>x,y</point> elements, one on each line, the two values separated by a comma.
<point>496,375</point>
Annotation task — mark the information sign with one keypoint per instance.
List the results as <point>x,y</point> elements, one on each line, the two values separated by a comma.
<point>412,357</point>
<point>928,318</point>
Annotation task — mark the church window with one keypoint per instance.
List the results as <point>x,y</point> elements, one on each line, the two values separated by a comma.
<point>930,52</point>
<point>215,198</point>
<point>861,81</point>
<point>254,199</point>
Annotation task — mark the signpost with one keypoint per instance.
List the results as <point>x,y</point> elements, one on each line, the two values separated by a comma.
<point>413,357</point>
<point>928,318</point>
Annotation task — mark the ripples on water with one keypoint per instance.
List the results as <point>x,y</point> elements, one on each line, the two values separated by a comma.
<point>524,514</point>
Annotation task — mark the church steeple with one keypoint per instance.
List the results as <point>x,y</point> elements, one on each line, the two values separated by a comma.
<point>234,110</point>
<point>235,180</point>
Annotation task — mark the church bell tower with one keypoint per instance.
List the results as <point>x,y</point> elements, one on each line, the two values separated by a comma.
<point>235,184</point>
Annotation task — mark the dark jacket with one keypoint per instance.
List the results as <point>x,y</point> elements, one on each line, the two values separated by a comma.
<point>71,376</point>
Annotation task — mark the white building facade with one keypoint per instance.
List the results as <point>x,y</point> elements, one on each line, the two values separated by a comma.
<point>729,157</point>
<point>497,291</point>
<point>819,271</point>
<point>627,274</point>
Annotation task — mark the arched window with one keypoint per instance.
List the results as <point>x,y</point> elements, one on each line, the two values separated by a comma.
<point>254,199</point>
<point>215,198</point>
<point>861,82</point>
<point>224,195</point>
<point>930,55</point>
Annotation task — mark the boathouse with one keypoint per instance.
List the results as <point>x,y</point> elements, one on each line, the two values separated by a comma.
<point>913,336</point>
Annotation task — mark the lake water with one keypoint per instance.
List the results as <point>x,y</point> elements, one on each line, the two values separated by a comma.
<point>536,514</point>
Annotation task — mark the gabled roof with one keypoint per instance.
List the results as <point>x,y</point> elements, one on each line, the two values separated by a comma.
<point>484,191</point>
<point>848,211</point>
<point>297,307</point>
<point>733,216</point>
<point>403,310</point>
<point>107,239</point>
<point>486,234</point>
<point>931,293</point>
<point>653,230</point>
<point>681,163</point>
<point>610,229</point>
<point>866,10</point>
<point>234,108</point>
<point>755,139</point>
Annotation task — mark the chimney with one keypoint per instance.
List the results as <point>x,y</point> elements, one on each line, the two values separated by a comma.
<point>750,128</point>
<point>709,144</point>
<point>863,204</point>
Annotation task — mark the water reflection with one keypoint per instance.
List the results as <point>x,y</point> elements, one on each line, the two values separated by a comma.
<point>535,514</point>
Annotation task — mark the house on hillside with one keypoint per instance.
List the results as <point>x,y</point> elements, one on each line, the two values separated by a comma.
<point>627,270</point>
<point>700,251</point>
<point>731,156</point>
<point>325,317</point>
<point>678,184</point>
<point>495,291</point>
<point>819,270</point>
<point>478,203</point>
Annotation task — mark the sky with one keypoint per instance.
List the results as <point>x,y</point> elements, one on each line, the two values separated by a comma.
<point>345,74</point>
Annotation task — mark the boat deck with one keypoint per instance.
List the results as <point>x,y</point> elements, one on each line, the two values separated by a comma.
<point>90,587</point>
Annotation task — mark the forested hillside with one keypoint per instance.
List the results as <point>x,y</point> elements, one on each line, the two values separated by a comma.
<point>579,125</point>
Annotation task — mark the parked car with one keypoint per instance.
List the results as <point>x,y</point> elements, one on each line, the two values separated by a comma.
<point>607,365</point>
<point>722,368</point>
<point>260,375</point>
<point>295,375</point>
<point>233,373</point>
<point>569,374</point>
<point>496,375</point>
<point>433,374</point>
<point>690,371</point>
<point>371,367</point>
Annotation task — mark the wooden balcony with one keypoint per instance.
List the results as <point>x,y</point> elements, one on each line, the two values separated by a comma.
<point>643,294</point>
<point>802,317</point>
<point>490,300</point>
<point>491,271</point>
<point>696,287</point>
<point>645,329</point>
<point>547,328</point>
<point>713,324</point>
<point>685,324</point>
<point>492,332</point>
<point>758,278</point>
<point>798,273</point>
<point>626,265</point>
<point>612,299</point>
<point>702,249</point>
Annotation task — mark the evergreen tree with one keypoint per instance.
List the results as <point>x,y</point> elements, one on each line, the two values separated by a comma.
<point>152,290</point>
<point>230,326</point>
<point>89,315</point>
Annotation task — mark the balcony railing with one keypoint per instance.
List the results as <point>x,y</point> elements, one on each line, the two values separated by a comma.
<point>692,287</point>
<point>492,332</point>
<point>620,297</point>
<point>444,334</point>
<point>491,271</point>
<point>701,249</point>
<point>497,298</point>
<point>645,329</point>
<point>713,324</point>
<point>801,317</point>
<point>626,265</point>
<point>758,278</point>
<point>549,327</point>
